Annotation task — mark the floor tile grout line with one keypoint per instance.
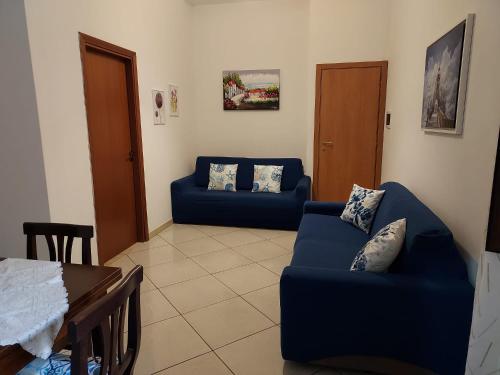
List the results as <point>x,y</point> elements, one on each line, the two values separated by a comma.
<point>238,293</point>
<point>257,308</point>
<point>202,307</point>
<point>246,337</point>
<point>182,281</point>
<point>224,363</point>
<point>183,361</point>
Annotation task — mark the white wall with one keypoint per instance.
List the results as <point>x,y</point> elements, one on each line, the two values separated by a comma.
<point>160,33</point>
<point>23,188</point>
<point>453,175</point>
<point>343,31</point>
<point>250,35</point>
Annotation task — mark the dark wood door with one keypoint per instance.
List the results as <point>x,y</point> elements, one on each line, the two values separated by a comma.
<point>111,152</point>
<point>350,106</point>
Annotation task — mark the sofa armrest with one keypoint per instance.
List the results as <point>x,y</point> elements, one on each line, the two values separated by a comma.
<point>178,185</point>
<point>303,188</point>
<point>324,208</point>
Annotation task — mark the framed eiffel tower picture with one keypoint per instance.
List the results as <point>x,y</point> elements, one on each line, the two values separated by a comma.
<point>445,80</point>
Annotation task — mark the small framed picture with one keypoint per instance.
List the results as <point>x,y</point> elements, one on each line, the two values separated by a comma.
<point>159,104</point>
<point>173,100</point>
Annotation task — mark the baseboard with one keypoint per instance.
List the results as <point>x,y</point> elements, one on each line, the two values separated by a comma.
<point>160,229</point>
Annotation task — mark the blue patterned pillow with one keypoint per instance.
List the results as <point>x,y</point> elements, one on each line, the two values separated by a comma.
<point>361,207</point>
<point>267,178</point>
<point>379,253</point>
<point>56,364</point>
<point>222,177</point>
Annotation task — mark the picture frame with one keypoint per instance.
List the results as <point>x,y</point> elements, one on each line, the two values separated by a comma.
<point>445,80</point>
<point>159,103</point>
<point>251,89</point>
<point>173,100</point>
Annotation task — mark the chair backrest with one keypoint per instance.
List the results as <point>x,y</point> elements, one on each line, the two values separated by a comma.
<point>62,232</point>
<point>101,325</point>
<point>293,170</point>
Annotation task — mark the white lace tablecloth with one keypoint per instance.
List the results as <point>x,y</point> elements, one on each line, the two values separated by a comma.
<point>33,301</point>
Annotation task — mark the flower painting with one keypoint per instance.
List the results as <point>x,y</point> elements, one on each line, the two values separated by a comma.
<point>251,89</point>
<point>445,80</point>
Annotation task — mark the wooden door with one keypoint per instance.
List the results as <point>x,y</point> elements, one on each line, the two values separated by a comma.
<point>114,151</point>
<point>350,107</point>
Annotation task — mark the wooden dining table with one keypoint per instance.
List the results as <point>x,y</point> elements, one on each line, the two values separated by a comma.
<point>85,284</point>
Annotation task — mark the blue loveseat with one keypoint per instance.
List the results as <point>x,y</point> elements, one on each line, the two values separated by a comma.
<point>192,203</point>
<point>419,312</point>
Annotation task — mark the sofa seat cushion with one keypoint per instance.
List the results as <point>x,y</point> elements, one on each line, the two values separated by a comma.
<point>327,242</point>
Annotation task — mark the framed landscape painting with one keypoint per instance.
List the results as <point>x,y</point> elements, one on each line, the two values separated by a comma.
<point>251,89</point>
<point>445,80</point>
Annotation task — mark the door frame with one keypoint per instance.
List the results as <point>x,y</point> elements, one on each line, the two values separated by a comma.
<point>381,115</point>
<point>88,42</point>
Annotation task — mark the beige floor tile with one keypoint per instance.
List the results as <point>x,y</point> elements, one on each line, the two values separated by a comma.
<point>269,233</point>
<point>260,354</point>
<point>207,364</point>
<point>261,250</point>
<point>286,241</point>
<point>194,294</point>
<point>241,237</point>
<point>200,246</point>
<point>174,272</point>
<point>277,264</point>
<point>247,278</point>
<point>167,343</point>
<point>155,307</point>
<point>227,321</point>
<point>146,285</point>
<point>123,262</point>
<point>221,260</point>
<point>267,301</point>
<point>157,255</point>
<point>156,241</point>
<point>213,230</point>
<point>177,234</point>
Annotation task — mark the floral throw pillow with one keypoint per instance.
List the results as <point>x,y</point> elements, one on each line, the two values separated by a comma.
<point>222,177</point>
<point>379,253</point>
<point>267,178</point>
<point>57,364</point>
<point>361,207</point>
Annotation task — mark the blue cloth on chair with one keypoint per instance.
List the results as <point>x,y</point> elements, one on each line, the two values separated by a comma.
<point>192,203</point>
<point>419,312</point>
<point>56,364</point>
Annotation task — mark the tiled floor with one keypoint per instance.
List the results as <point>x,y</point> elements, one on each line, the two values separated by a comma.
<point>210,301</point>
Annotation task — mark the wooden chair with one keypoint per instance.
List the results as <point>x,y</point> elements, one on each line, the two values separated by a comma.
<point>98,331</point>
<point>61,232</point>
<point>101,325</point>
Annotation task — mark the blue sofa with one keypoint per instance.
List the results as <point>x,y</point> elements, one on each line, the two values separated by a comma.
<point>192,203</point>
<point>419,312</point>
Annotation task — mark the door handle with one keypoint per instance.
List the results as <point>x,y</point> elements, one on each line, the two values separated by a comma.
<point>327,143</point>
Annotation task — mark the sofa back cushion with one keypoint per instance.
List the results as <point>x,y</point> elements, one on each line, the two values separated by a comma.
<point>429,247</point>
<point>293,170</point>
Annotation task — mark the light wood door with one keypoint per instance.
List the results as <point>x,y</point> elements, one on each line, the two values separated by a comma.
<point>350,106</point>
<point>111,152</point>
